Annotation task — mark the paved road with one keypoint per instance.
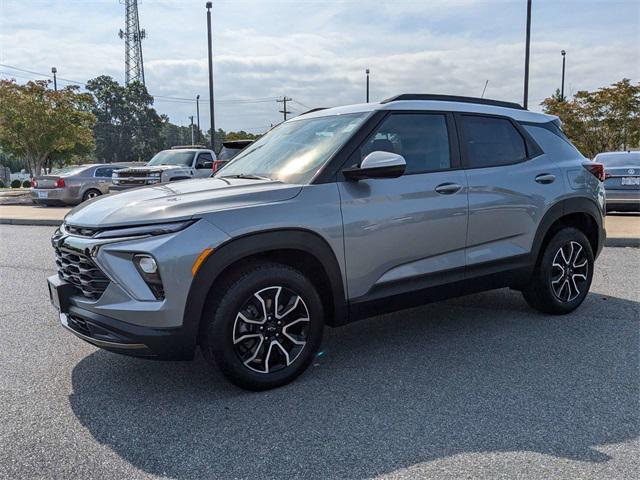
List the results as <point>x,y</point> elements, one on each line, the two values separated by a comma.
<point>478,387</point>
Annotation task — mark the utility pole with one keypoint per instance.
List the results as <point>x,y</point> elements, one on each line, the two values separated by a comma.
<point>133,35</point>
<point>525,101</point>
<point>485,88</point>
<point>284,110</point>
<point>54,70</point>
<point>209,5</point>
<point>367,72</point>
<point>193,140</point>
<point>562,85</point>
<point>198,114</point>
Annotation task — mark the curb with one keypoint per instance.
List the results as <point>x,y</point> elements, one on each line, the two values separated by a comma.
<point>49,222</point>
<point>36,222</point>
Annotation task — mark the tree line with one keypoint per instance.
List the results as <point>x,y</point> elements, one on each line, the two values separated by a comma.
<point>41,128</point>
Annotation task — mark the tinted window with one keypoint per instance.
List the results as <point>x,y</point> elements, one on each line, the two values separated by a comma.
<point>103,172</point>
<point>204,157</point>
<point>491,141</point>
<point>551,142</point>
<point>422,139</point>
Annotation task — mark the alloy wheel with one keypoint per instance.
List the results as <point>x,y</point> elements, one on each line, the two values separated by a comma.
<point>271,329</point>
<point>569,271</point>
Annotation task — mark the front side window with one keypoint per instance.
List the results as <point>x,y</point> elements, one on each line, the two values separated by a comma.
<point>490,142</point>
<point>421,138</point>
<point>296,150</point>
<point>172,157</point>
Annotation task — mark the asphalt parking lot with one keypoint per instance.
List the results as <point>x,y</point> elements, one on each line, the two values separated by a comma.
<point>477,387</point>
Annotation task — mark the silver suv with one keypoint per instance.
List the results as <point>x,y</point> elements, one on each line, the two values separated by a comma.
<point>333,216</point>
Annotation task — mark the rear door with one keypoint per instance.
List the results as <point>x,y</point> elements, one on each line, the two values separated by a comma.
<point>511,185</point>
<point>403,234</point>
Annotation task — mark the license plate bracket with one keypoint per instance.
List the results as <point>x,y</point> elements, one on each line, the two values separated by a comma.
<point>632,181</point>
<point>42,194</point>
<point>60,292</point>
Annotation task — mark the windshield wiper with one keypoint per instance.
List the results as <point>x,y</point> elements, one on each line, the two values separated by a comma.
<point>246,176</point>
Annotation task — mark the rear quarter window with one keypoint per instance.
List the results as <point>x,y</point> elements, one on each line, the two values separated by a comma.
<point>552,143</point>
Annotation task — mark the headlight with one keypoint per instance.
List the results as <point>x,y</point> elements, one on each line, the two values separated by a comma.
<point>155,174</point>
<point>148,269</point>
<point>138,231</point>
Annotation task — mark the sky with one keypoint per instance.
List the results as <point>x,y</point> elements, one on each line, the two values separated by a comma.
<point>316,52</point>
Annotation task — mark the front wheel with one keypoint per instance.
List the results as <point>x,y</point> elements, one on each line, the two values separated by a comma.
<point>265,326</point>
<point>563,274</point>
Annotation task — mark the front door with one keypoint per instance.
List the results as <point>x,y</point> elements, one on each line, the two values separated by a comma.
<point>403,234</point>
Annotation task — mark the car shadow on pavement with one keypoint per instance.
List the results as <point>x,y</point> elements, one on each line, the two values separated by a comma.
<point>384,394</point>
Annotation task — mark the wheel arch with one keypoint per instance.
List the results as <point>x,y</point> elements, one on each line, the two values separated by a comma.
<point>301,249</point>
<point>581,213</point>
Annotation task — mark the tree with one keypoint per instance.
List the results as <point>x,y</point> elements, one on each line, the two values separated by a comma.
<point>37,123</point>
<point>607,119</point>
<point>128,127</point>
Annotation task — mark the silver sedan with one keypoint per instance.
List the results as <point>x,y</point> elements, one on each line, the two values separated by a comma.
<point>75,184</point>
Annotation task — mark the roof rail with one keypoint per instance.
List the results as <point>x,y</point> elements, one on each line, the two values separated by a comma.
<point>453,98</point>
<point>317,109</point>
<point>180,147</point>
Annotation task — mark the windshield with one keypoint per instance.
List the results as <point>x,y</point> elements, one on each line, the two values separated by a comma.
<point>621,160</point>
<point>296,150</point>
<point>172,157</point>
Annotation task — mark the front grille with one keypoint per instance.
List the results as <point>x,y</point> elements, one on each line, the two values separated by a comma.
<point>81,231</point>
<point>81,271</point>
<point>132,173</point>
<point>126,181</point>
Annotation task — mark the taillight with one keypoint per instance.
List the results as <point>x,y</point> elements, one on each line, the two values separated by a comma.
<point>60,183</point>
<point>216,165</point>
<point>596,169</point>
<point>34,184</point>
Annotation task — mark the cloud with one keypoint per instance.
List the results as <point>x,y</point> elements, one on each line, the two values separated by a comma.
<point>316,52</point>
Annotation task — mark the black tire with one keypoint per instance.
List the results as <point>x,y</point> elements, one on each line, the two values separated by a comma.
<point>250,294</point>
<point>91,193</point>
<point>557,286</point>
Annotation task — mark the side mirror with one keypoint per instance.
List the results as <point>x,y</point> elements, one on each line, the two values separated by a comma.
<point>378,164</point>
<point>205,165</point>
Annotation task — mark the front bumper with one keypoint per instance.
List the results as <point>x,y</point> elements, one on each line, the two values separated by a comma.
<point>120,337</point>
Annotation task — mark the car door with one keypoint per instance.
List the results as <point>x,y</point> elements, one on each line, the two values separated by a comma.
<point>200,171</point>
<point>402,234</point>
<point>103,178</point>
<point>511,183</point>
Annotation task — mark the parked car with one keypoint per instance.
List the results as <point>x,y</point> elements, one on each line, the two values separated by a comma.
<point>622,182</point>
<point>330,217</point>
<point>177,163</point>
<point>74,184</point>
<point>230,149</point>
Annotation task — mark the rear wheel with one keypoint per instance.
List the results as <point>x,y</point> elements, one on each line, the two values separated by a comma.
<point>563,275</point>
<point>266,326</point>
<point>91,193</point>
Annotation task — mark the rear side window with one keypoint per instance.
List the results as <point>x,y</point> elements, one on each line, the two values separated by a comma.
<point>422,139</point>
<point>491,141</point>
<point>204,157</point>
<point>552,142</point>
<point>103,172</point>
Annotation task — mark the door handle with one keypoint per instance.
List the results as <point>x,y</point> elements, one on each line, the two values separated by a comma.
<point>545,178</point>
<point>448,188</point>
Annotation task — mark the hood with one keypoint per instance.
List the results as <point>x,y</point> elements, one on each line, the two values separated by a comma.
<point>148,168</point>
<point>177,201</point>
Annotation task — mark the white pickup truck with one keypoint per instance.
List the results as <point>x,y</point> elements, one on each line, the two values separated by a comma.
<point>178,163</point>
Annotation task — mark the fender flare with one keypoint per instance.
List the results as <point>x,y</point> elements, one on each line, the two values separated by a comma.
<point>567,207</point>
<point>238,248</point>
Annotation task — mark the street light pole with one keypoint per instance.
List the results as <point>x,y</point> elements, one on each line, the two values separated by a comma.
<point>54,70</point>
<point>562,85</point>
<point>367,72</point>
<point>198,114</point>
<point>193,140</point>
<point>525,101</point>
<point>209,5</point>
